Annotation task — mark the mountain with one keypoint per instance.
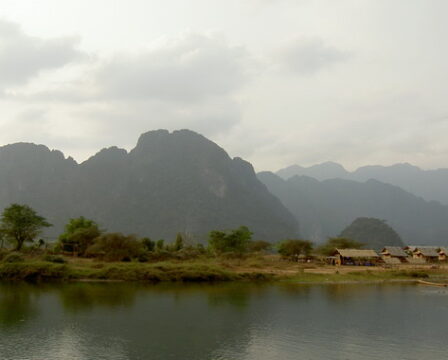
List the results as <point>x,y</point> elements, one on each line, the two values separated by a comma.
<point>325,208</point>
<point>324,171</point>
<point>373,233</point>
<point>169,183</point>
<point>429,184</point>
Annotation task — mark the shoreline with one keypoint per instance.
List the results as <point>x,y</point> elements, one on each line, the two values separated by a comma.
<point>213,270</point>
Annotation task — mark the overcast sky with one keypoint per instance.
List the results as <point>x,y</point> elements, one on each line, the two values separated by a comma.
<point>276,82</point>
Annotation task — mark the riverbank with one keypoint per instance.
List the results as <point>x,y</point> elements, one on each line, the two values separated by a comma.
<point>262,268</point>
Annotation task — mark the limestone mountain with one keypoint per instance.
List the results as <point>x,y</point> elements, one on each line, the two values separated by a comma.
<point>325,208</point>
<point>429,184</point>
<point>169,183</point>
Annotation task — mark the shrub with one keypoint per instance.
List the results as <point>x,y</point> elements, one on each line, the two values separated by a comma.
<point>259,246</point>
<point>13,257</point>
<point>79,234</point>
<point>234,241</point>
<point>293,249</point>
<point>116,247</point>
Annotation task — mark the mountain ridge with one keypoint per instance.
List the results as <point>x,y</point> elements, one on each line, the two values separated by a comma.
<point>168,183</point>
<point>429,184</point>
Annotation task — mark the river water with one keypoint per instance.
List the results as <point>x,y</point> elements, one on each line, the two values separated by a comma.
<point>224,321</point>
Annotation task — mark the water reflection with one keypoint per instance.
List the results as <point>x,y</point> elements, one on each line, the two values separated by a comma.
<point>226,321</point>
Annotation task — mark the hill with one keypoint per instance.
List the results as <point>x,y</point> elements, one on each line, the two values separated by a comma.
<point>373,233</point>
<point>325,208</point>
<point>169,183</point>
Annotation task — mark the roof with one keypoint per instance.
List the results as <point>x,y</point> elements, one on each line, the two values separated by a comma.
<point>443,250</point>
<point>395,251</point>
<point>356,253</point>
<point>427,251</point>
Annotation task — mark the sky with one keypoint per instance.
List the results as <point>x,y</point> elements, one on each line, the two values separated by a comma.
<point>276,82</point>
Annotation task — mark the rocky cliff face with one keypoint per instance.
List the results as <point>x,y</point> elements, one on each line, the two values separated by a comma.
<point>169,183</point>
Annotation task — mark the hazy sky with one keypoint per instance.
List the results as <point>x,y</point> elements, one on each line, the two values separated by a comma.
<point>276,82</point>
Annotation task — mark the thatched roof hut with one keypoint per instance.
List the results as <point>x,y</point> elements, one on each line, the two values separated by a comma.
<point>356,257</point>
<point>394,252</point>
<point>429,253</point>
<point>443,253</point>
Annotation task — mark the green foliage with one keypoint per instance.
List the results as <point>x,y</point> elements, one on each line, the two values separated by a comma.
<point>235,241</point>
<point>332,244</point>
<point>20,224</point>
<point>160,244</point>
<point>79,234</point>
<point>179,242</point>
<point>148,244</point>
<point>13,257</point>
<point>374,233</point>
<point>259,246</point>
<point>116,247</point>
<point>293,249</point>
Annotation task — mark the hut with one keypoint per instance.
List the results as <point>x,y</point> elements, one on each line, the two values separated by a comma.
<point>356,257</point>
<point>394,252</point>
<point>443,254</point>
<point>428,253</point>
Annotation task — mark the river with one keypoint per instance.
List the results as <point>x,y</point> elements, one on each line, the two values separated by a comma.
<point>227,321</point>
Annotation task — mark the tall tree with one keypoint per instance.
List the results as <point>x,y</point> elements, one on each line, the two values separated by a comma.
<point>20,224</point>
<point>79,234</point>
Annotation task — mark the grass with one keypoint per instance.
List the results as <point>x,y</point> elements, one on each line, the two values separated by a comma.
<point>204,270</point>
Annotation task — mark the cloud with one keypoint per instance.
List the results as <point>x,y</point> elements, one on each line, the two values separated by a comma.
<point>309,56</point>
<point>23,57</point>
<point>191,68</point>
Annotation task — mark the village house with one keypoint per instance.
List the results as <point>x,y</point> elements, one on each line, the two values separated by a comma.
<point>394,255</point>
<point>356,257</point>
<point>443,254</point>
<point>428,253</point>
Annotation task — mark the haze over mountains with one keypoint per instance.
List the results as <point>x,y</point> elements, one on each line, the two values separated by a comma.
<point>169,183</point>
<point>325,208</point>
<point>183,182</point>
<point>429,184</point>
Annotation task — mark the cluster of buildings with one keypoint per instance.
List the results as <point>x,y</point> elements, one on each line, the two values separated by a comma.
<point>391,255</point>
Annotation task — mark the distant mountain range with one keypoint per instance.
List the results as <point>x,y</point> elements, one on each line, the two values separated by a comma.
<point>169,183</point>
<point>429,184</point>
<point>325,208</point>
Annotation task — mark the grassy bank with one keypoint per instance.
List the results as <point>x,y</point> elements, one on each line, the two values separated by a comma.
<point>207,270</point>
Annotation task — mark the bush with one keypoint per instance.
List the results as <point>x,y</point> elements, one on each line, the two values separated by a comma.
<point>55,259</point>
<point>234,241</point>
<point>79,234</point>
<point>293,249</point>
<point>116,247</point>
<point>13,257</point>
<point>259,246</point>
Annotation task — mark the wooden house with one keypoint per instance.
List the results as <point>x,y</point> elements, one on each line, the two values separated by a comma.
<point>428,253</point>
<point>356,257</point>
<point>394,252</point>
<point>443,254</point>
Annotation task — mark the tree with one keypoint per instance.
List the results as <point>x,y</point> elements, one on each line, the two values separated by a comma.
<point>293,249</point>
<point>235,241</point>
<point>332,244</point>
<point>116,247</point>
<point>78,235</point>
<point>20,224</point>
<point>148,244</point>
<point>259,246</point>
